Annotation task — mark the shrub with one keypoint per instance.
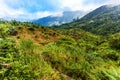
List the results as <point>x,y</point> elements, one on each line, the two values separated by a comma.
<point>31,28</point>
<point>13,31</point>
<point>46,36</point>
<point>115,41</point>
<point>112,56</point>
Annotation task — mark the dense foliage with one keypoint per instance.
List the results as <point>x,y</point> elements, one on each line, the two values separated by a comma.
<point>33,52</point>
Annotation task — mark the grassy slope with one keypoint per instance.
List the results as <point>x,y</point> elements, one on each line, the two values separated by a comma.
<point>29,52</point>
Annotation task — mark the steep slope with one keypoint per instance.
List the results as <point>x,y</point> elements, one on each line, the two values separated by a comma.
<point>95,12</point>
<point>67,17</point>
<point>104,20</point>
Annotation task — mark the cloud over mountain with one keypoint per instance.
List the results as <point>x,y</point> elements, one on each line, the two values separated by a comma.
<point>33,9</point>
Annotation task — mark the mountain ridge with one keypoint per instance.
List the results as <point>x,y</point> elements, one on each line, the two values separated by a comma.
<point>67,17</point>
<point>102,21</point>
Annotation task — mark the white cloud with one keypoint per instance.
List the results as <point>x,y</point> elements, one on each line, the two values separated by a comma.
<point>31,16</point>
<point>46,13</point>
<point>10,13</point>
<point>7,11</point>
<point>78,5</point>
<point>114,2</point>
<point>81,5</point>
<point>72,4</point>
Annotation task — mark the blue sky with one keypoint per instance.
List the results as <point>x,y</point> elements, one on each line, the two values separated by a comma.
<point>33,9</point>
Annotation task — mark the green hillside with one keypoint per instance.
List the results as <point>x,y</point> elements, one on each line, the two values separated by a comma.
<point>105,20</point>
<point>34,52</point>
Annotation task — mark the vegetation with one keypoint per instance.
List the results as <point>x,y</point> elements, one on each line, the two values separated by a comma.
<point>34,52</point>
<point>102,21</point>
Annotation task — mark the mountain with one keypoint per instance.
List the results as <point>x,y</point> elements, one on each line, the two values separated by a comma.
<point>67,17</point>
<point>102,21</point>
<point>33,52</point>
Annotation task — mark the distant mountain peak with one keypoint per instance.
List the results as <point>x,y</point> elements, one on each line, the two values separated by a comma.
<point>66,17</point>
<point>103,20</point>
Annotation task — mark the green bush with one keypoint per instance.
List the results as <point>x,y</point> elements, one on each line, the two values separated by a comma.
<point>115,41</point>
